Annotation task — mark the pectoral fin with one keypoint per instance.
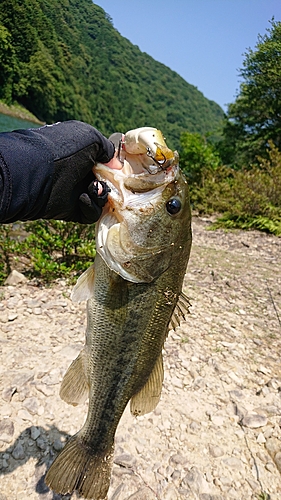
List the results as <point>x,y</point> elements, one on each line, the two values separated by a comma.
<point>180,311</point>
<point>74,387</point>
<point>148,397</point>
<point>83,289</point>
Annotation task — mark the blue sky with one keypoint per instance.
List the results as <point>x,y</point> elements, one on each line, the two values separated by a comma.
<point>202,40</point>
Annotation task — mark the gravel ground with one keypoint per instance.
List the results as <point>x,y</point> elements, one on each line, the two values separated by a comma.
<point>216,431</point>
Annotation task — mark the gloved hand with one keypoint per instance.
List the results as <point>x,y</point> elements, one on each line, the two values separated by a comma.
<point>94,199</point>
<point>75,195</point>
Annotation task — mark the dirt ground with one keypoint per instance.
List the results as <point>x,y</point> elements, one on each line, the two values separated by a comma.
<point>216,431</point>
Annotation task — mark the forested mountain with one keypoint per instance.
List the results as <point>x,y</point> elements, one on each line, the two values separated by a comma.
<point>63,59</point>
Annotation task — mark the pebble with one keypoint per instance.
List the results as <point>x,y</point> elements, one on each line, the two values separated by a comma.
<point>177,382</point>
<point>216,451</point>
<point>218,420</point>
<point>178,459</point>
<point>34,432</point>
<point>8,393</point>
<point>58,445</point>
<point>194,480</point>
<point>12,316</point>
<point>226,481</point>
<point>255,485</point>
<point>31,404</point>
<point>44,389</point>
<point>42,443</point>
<point>270,466</point>
<point>268,432</point>
<point>261,439</point>
<point>273,446</point>
<point>233,462</point>
<point>125,460</point>
<point>254,420</point>
<point>7,429</point>
<point>25,415</point>
<point>18,452</point>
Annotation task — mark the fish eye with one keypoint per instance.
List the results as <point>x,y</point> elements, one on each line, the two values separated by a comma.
<point>173,206</point>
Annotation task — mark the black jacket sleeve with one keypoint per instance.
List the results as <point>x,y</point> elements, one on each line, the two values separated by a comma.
<point>47,172</point>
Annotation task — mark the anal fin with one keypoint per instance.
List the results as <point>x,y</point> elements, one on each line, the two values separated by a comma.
<point>74,387</point>
<point>148,397</point>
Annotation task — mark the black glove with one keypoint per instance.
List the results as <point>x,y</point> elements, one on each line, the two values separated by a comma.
<point>47,173</point>
<point>91,203</point>
<point>74,194</point>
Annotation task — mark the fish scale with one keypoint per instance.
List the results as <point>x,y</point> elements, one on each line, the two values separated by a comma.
<point>122,345</point>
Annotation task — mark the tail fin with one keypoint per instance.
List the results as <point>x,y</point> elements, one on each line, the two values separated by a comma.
<point>77,469</point>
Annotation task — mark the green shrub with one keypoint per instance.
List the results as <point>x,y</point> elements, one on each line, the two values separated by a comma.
<point>215,193</point>
<point>197,157</point>
<point>248,198</point>
<point>8,250</point>
<point>47,249</point>
<point>231,221</point>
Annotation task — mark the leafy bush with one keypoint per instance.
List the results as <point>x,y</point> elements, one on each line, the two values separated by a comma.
<point>197,157</point>
<point>248,198</point>
<point>231,221</point>
<point>47,249</point>
<point>8,250</point>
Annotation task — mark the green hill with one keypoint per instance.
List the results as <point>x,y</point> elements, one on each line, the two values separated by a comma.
<point>64,60</point>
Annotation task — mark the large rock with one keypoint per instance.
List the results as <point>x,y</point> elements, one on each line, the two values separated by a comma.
<point>15,278</point>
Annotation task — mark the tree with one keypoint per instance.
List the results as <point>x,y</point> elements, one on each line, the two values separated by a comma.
<point>7,62</point>
<point>196,157</point>
<point>64,59</point>
<point>255,117</point>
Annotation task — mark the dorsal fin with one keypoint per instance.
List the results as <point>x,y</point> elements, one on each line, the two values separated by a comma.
<point>180,311</point>
<point>83,289</point>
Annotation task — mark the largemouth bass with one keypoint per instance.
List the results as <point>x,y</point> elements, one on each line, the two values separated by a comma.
<point>134,295</point>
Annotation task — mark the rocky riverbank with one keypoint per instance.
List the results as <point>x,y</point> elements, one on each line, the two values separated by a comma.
<point>18,112</point>
<point>215,434</point>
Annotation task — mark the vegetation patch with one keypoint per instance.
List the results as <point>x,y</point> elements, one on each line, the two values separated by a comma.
<point>247,198</point>
<point>46,249</point>
<point>65,60</point>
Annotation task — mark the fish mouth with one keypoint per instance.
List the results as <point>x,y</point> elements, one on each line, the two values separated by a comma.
<point>134,183</point>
